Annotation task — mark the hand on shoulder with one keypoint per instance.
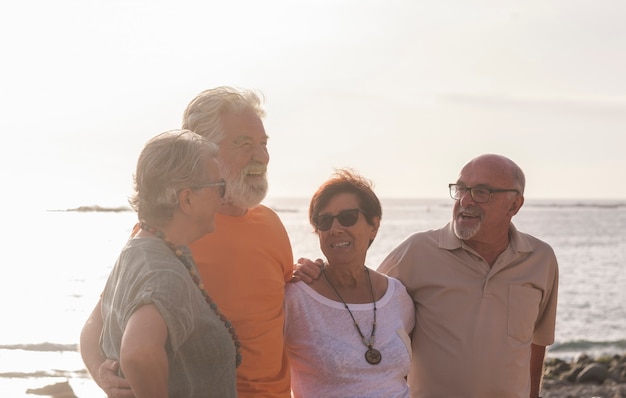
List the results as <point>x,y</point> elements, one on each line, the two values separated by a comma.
<point>307,270</point>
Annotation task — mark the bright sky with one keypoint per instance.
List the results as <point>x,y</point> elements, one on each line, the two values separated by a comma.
<point>403,91</point>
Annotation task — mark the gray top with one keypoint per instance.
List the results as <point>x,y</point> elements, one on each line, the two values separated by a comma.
<point>200,350</point>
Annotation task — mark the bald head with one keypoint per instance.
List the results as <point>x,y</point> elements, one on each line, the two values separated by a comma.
<point>500,165</point>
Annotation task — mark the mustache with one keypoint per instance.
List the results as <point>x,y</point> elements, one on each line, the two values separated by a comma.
<point>469,211</point>
<point>254,168</point>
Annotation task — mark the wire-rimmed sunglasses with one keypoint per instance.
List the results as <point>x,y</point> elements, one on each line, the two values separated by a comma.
<point>347,218</point>
<point>221,183</point>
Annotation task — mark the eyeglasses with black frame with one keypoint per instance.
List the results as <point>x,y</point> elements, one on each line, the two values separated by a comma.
<point>478,194</point>
<point>347,218</point>
<point>221,183</point>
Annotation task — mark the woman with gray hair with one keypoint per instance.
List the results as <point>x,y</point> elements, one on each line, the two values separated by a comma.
<point>159,322</point>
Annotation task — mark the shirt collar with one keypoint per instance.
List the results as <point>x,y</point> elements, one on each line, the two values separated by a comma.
<point>519,242</point>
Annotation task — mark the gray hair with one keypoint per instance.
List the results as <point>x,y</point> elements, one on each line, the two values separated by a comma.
<point>518,176</point>
<point>168,163</point>
<point>204,113</point>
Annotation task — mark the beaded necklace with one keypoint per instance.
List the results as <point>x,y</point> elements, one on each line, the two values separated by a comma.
<point>189,264</point>
<point>372,355</point>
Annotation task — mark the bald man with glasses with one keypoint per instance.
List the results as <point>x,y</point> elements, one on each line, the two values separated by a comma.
<point>485,294</point>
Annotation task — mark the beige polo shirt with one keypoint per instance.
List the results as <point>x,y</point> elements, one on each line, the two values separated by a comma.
<point>475,324</point>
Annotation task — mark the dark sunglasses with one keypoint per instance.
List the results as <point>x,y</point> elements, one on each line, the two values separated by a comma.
<point>347,218</point>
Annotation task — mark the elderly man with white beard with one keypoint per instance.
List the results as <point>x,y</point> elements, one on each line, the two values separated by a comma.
<point>245,263</point>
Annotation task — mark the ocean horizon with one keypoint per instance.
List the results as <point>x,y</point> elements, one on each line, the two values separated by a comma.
<point>59,261</point>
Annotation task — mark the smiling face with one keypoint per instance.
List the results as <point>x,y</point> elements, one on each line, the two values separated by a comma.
<point>486,222</point>
<point>346,245</point>
<point>243,158</point>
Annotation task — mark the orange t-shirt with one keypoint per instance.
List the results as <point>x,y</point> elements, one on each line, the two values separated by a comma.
<point>244,265</point>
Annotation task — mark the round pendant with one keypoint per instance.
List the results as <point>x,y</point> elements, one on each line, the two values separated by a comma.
<point>372,356</point>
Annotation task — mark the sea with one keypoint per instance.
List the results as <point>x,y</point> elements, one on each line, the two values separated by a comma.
<point>56,262</point>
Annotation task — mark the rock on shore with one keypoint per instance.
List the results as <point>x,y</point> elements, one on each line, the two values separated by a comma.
<point>57,390</point>
<point>586,377</point>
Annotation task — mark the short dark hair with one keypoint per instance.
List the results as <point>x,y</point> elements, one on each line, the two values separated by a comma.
<point>347,181</point>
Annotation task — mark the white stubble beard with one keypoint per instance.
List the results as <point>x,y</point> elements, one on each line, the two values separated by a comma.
<point>465,232</point>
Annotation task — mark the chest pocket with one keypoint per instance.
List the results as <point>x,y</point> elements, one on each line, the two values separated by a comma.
<point>523,309</point>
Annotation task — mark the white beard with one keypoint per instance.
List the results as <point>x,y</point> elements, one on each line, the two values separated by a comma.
<point>241,193</point>
<point>465,233</point>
